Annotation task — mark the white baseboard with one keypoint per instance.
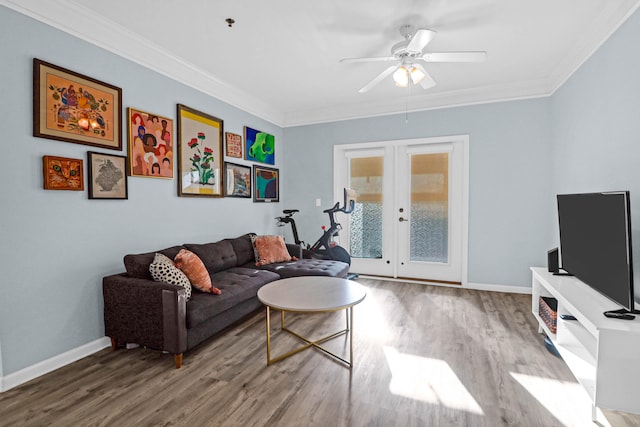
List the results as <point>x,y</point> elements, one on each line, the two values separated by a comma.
<point>470,285</point>
<point>499,288</point>
<point>34,371</point>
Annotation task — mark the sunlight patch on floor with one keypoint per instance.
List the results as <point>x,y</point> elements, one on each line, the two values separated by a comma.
<point>428,380</point>
<point>567,401</point>
<point>369,320</point>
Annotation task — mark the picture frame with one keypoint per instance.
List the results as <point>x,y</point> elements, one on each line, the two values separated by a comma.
<point>62,173</point>
<point>150,144</point>
<point>199,154</point>
<point>259,146</point>
<point>238,180</point>
<point>233,145</point>
<point>71,107</point>
<point>266,184</point>
<point>107,176</point>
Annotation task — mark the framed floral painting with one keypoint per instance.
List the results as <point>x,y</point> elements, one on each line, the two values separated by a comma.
<point>238,180</point>
<point>267,184</point>
<point>150,142</point>
<point>107,176</point>
<point>62,173</point>
<point>70,107</point>
<point>199,153</point>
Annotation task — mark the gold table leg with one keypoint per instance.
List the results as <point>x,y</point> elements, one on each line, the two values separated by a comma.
<point>310,343</point>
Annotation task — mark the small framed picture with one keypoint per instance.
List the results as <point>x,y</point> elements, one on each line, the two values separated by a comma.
<point>150,138</point>
<point>259,146</point>
<point>267,184</point>
<point>238,180</point>
<point>107,176</point>
<point>62,173</point>
<point>233,145</point>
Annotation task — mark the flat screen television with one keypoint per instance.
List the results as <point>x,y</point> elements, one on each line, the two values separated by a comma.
<point>595,242</point>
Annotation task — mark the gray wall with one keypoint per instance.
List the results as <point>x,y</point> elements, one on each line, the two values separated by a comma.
<point>596,126</point>
<point>509,185</point>
<point>56,246</point>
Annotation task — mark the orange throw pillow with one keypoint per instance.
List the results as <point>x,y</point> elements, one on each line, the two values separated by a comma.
<point>270,249</point>
<point>195,270</point>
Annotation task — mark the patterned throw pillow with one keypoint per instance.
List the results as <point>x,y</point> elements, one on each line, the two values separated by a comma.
<point>195,270</point>
<point>270,249</point>
<point>162,269</point>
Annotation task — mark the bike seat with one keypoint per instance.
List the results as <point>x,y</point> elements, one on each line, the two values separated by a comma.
<point>290,211</point>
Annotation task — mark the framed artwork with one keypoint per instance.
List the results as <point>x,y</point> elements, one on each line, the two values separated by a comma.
<point>259,146</point>
<point>238,180</point>
<point>107,176</point>
<point>62,173</point>
<point>267,184</point>
<point>233,145</point>
<point>70,107</point>
<point>199,153</point>
<point>150,141</point>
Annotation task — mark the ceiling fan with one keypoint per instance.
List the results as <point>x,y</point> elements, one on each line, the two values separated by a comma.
<point>408,54</point>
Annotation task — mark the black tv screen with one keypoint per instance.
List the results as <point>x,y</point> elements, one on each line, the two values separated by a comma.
<point>595,242</point>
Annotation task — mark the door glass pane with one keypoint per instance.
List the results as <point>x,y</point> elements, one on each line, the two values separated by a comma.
<point>429,220</point>
<point>366,219</point>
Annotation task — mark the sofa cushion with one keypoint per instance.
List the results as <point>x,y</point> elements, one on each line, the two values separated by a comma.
<point>137,265</point>
<point>243,248</point>
<point>237,284</point>
<point>270,249</point>
<point>162,269</point>
<point>309,267</point>
<point>216,256</point>
<point>195,270</point>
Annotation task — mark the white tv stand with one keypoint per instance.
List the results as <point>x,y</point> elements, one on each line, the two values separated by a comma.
<point>602,353</point>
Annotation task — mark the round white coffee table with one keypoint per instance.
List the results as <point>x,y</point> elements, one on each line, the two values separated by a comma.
<point>312,294</point>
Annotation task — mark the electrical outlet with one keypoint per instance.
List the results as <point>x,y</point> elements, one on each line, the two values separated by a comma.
<point>318,202</point>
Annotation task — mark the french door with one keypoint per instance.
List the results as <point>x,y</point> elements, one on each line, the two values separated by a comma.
<point>411,213</point>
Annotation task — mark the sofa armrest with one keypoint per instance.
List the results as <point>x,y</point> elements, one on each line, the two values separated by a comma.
<point>294,250</point>
<point>152,314</point>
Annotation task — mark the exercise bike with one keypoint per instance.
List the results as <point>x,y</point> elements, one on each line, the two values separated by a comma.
<point>326,247</point>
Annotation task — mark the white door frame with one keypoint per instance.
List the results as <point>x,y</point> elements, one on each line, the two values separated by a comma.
<point>340,175</point>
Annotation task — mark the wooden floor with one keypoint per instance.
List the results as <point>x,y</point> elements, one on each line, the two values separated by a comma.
<point>424,356</point>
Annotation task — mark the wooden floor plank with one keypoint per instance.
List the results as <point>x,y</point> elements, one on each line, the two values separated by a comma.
<point>423,356</point>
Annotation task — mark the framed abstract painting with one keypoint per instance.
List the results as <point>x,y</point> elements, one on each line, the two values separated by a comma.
<point>199,154</point>
<point>107,176</point>
<point>150,142</point>
<point>238,180</point>
<point>266,184</point>
<point>259,146</point>
<point>70,107</point>
<point>62,173</point>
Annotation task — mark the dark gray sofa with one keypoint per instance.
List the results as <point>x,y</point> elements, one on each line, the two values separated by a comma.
<point>157,315</point>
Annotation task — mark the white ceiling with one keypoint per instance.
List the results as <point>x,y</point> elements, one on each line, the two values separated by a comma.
<point>279,61</point>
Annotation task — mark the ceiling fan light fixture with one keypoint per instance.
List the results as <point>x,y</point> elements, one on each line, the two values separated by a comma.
<point>401,76</point>
<point>417,74</point>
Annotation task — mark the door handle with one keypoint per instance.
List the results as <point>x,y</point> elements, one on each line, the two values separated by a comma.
<point>403,219</point>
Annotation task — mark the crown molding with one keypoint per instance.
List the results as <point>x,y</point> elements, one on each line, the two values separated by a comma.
<point>118,40</point>
<point>590,42</point>
<point>460,98</point>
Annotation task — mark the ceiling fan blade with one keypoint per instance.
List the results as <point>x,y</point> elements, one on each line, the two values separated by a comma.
<point>372,59</point>
<point>379,78</point>
<point>478,56</point>
<point>420,39</point>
